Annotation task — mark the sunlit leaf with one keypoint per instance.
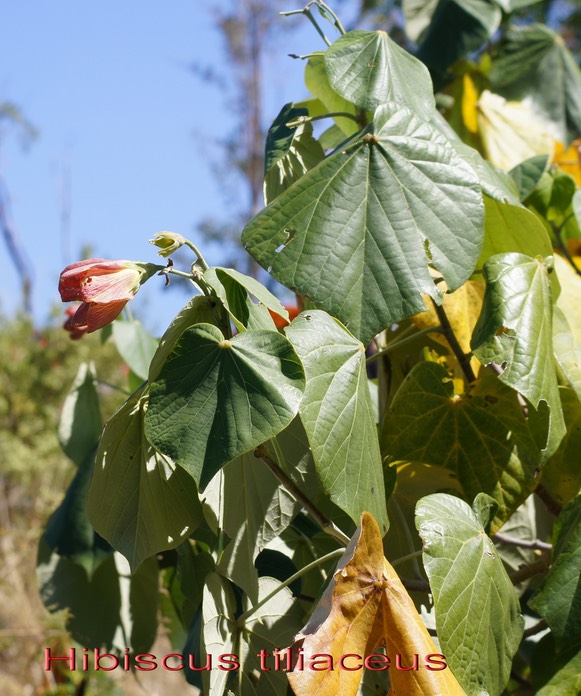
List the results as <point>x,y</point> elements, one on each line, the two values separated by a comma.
<point>356,233</point>
<point>365,605</point>
<point>515,331</point>
<point>477,611</point>
<point>369,69</point>
<point>337,414</point>
<point>217,398</point>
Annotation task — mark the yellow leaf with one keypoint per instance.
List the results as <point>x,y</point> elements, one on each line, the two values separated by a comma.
<point>570,295</point>
<point>569,160</point>
<point>469,103</point>
<point>364,607</point>
<point>510,131</point>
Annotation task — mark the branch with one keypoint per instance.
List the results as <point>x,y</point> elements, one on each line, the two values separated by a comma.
<point>320,518</point>
<point>553,506</point>
<point>535,544</point>
<point>528,571</point>
<point>537,628</point>
<point>448,331</point>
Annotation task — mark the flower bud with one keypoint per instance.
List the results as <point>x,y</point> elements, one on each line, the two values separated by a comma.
<point>167,242</point>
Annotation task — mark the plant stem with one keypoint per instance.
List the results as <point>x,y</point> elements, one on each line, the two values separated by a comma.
<point>324,9</point>
<point>535,544</point>
<point>333,114</point>
<point>448,331</point>
<point>407,557</point>
<point>201,260</point>
<point>553,506</point>
<point>303,571</point>
<point>182,274</point>
<point>397,344</point>
<point>528,571</point>
<point>320,518</point>
<point>307,12</point>
<point>537,628</point>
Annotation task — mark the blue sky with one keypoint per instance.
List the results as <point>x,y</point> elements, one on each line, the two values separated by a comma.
<point>123,118</point>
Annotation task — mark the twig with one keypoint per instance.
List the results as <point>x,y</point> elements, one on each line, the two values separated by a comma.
<point>528,571</point>
<point>535,544</point>
<point>552,505</point>
<point>463,359</point>
<point>320,518</point>
<point>537,628</point>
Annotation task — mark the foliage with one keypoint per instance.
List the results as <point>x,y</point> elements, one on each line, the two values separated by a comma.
<point>417,420</point>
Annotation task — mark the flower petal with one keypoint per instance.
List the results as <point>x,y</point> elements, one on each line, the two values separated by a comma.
<point>92,316</point>
<point>110,286</point>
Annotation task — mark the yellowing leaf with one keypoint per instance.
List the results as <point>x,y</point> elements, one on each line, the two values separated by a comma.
<point>469,104</point>
<point>366,606</point>
<point>510,131</point>
<point>568,300</point>
<point>569,159</point>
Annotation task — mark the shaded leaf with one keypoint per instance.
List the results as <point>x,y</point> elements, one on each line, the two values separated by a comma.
<point>533,62</point>
<point>567,350</point>
<point>337,414</point>
<point>81,423</point>
<point>369,69</point>
<point>135,345</point>
<point>528,173</point>
<point>290,152</point>
<point>568,300</point>
<point>139,500</point>
<point>477,610</point>
<point>482,436</point>
<point>364,605</point>
<point>245,500</point>
<point>218,398</point>
<point>559,599</point>
<point>514,330</point>
<point>356,234</point>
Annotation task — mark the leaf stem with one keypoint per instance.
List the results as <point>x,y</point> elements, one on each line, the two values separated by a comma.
<point>320,518</point>
<point>200,260</point>
<point>448,331</point>
<point>325,10</point>
<point>318,117</point>
<point>407,557</point>
<point>552,505</point>
<point>537,628</point>
<point>303,571</point>
<point>394,345</point>
<point>535,544</point>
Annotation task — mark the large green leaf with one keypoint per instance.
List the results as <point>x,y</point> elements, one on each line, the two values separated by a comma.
<point>566,667</point>
<point>515,331</point>
<point>534,63</point>
<point>80,423</point>
<point>337,414</point>
<point>369,69</point>
<point>217,398</point>
<point>290,152</point>
<point>477,611</point>
<point>482,435</point>
<point>245,500</point>
<point>317,83</point>
<point>559,599</point>
<point>358,233</point>
<point>139,500</point>
<point>512,228</point>
<point>562,473</point>
<point>200,309</point>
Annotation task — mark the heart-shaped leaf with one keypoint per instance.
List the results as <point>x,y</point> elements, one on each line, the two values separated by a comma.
<point>337,415</point>
<point>477,610</point>
<point>358,233</point>
<point>217,398</point>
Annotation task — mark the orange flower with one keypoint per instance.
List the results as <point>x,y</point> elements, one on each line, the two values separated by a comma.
<point>280,322</point>
<point>103,287</point>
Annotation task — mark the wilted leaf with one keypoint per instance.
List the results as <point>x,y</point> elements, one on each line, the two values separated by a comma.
<point>477,610</point>
<point>510,131</point>
<point>366,605</point>
<point>357,233</point>
<point>337,414</point>
<point>217,398</point>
